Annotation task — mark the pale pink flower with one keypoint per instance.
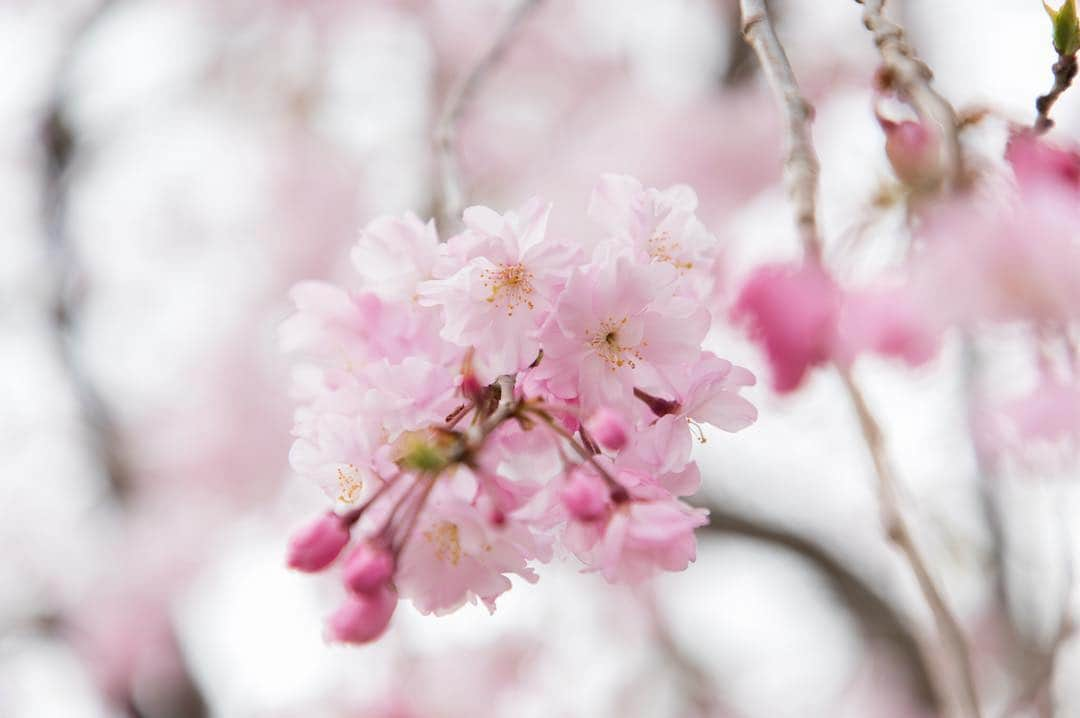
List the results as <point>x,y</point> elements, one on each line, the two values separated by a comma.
<point>660,226</point>
<point>616,326</point>
<point>1038,164</point>
<point>646,534</point>
<point>315,546</point>
<point>792,311</point>
<point>456,556</point>
<point>498,300</point>
<point>395,254</point>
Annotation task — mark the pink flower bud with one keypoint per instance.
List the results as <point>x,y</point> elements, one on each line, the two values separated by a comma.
<point>368,567</point>
<point>585,496</point>
<point>315,546</point>
<point>913,151</point>
<point>609,428</point>
<point>362,618</point>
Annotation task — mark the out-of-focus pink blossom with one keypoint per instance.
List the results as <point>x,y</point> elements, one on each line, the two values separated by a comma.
<point>585,495</point>
<point>886,322</point>
<point>792,310</point>
<point>1037,163</point>
<point>363,617</point>
<point>609,427</point>
<point>315,546</point>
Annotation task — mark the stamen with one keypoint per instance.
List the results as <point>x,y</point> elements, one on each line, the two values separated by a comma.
<point>510,285</point>
<point>605,342</point>
<point>444,536</point>
<point>662,249</point>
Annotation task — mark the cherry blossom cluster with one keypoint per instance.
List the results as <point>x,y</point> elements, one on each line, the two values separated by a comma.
<point>475,405</point>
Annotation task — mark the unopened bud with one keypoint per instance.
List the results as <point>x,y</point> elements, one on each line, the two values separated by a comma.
<point>585,496</point>
<point>1066,27</point>
<point>315,546</point>
<point>914,152</point>
<point>609,428</point>
<point>368,568</point>
<point>362,618</point>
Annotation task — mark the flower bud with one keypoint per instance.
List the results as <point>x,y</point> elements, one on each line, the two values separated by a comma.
<point>585,496</point>
<point>315,546</point>
<point>368,568</point>
<point>1066,27</point>
<point>913,151</point>
<point>609,428</point>
<point>362,618</point>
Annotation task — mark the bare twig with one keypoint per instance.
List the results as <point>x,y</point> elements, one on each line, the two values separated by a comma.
<point>450,195</point>
<point>801,166</point>
<point>948,628</point>
<point>801,170</point>
<point>1064,73</point>
<point>910,75</point>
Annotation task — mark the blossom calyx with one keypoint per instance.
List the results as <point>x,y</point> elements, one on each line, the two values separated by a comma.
<point>1066,27</point>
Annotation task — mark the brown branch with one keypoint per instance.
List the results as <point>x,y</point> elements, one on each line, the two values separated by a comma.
<point>877,618</point>
<point>911,76</point>
<point>948,627</point>
<point>450,196</point>
<point>1064,73</point>
<point>801,165</point>
<point>801,170</point>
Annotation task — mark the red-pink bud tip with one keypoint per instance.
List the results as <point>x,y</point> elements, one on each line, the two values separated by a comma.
<point>315,546</point>
<point>368,568</point>
<point>362,618</point>
<point>609,428</point>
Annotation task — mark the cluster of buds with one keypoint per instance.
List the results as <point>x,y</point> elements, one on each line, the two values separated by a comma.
<point>476,403</point>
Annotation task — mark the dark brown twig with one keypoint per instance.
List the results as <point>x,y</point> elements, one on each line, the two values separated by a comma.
<point>1064,73</point>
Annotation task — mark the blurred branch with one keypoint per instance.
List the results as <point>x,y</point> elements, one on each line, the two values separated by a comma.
<point>739,65</point>
<point>912,77</point>
<point>876,617</point>
<point>701,692</point>
<point>59,147</point>
<point>801,171</point>
<point>450,195</point>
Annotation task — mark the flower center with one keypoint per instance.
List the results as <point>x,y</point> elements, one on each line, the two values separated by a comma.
<point>510,286</point>
<point>663,249</point>
<point>605,342</point>
<point>444,536</point>
<point>349,485</point>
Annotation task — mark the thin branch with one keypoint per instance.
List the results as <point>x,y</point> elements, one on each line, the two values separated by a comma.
<point>801,170</point>
<point>1064,73</point>
<point>911,76</point>
<point>801,167</point>
<point>948,627</point>
<point>876,617</point>
<point>450,195</point>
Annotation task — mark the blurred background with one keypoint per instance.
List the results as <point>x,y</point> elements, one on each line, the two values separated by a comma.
<point>169,168</point>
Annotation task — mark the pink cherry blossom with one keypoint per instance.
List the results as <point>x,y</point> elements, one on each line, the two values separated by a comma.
<point>498,300</point>
<point>617,326</point>
<point>609,427</point>
<point>395,254</point>
<point>792,311</point>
